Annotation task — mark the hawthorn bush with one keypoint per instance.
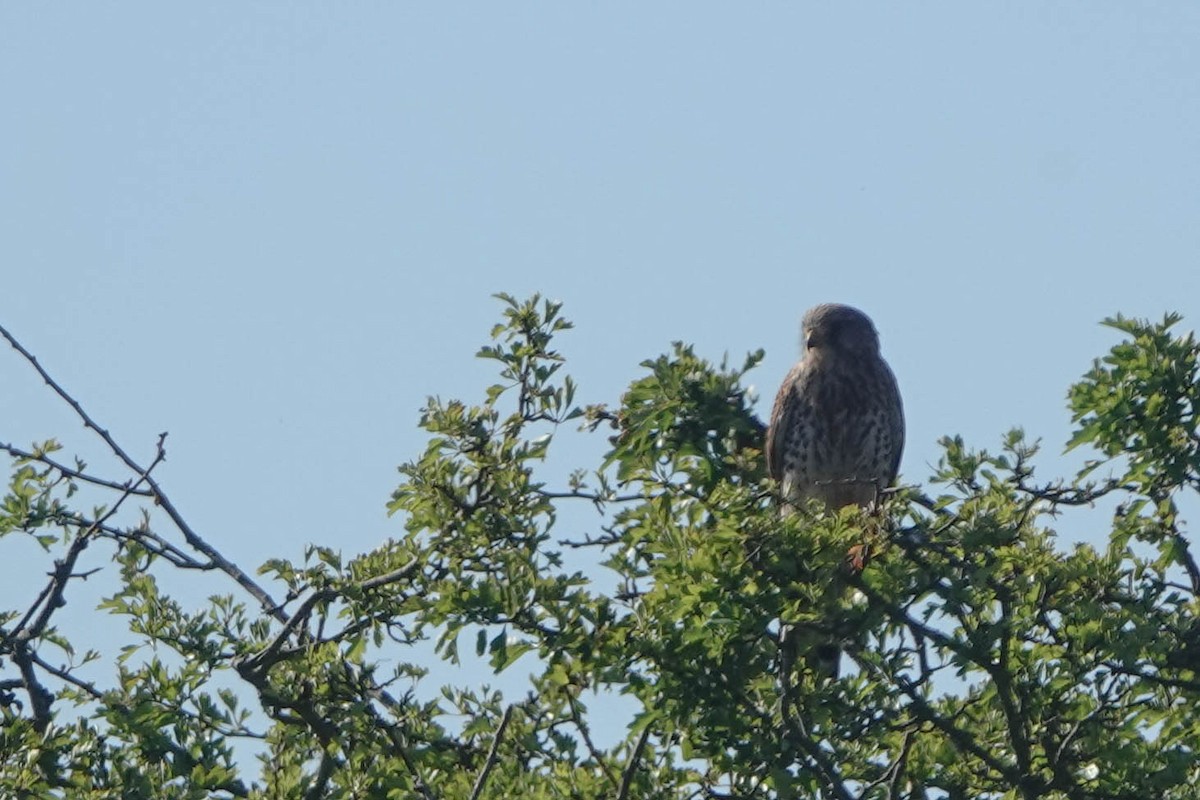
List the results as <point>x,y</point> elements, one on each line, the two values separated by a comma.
<point>984,659</point>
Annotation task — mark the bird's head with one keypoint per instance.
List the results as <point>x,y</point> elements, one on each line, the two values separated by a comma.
<point>835,328</point>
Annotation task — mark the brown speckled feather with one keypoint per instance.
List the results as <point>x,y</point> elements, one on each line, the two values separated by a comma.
<point>837,428</point>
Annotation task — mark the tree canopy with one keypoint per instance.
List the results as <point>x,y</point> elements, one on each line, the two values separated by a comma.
<point>985,657</point>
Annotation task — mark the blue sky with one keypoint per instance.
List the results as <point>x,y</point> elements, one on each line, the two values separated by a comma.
<point>273,229</point>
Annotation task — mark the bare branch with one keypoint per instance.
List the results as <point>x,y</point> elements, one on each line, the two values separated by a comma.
<point>396,575</point>
<point>400,742</point>
<point>52,598</point>
<point>631,767</point>
<point>74,474</point>
<point>817,758</point>
<point>582,726</point>
<point>160,497</point>
<point>269,655</point>
<point>49,600</point>
<point>275,650</point>
<point>151,541</point>
<point>65,675</point>
<point>490,762</point>
<point>595,497</point>
<point>88,422</point>
<point>225,565</point>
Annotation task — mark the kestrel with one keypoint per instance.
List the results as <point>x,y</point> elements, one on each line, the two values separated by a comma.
<point>837,428</point>
<point>836,433</point>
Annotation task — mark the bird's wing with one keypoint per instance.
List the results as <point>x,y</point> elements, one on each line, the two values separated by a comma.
<point>781,423</point>
<point>896,408</point>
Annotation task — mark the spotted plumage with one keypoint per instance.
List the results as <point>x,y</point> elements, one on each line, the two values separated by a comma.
<point>837,428</point>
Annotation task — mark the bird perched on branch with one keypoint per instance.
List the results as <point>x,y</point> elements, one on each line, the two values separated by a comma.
<point>837,428</point>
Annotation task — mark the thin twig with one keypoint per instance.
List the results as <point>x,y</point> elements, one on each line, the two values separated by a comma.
<point>631,767</point>
<point>394,576</point>
<point>595,497</point>
<point>924,711</point>
<point>265,658</point>
<point>51,599</point>
<point>152,542</point>
<point>160,497</point>
<point>74,474</point>
<point>65,675</point>
<point>64,570</point>
<point>400,741</point>
<point>228,567</point>
<point>582,725</point>
<point>896,771</point>
<point>492,758</point>
<point>818,759</point>
<point>275,651</point>
<point>590,541</point>
<point>88,422</point>
<point>1015,719</point>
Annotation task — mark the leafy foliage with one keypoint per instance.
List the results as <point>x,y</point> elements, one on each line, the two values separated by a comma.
<point>985,658</point>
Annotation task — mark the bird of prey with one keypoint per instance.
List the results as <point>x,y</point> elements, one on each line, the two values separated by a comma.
<point>837,428</point>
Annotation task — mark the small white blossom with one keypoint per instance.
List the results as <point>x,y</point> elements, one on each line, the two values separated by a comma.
<point>857,598</point>
<point>1090,772</point>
